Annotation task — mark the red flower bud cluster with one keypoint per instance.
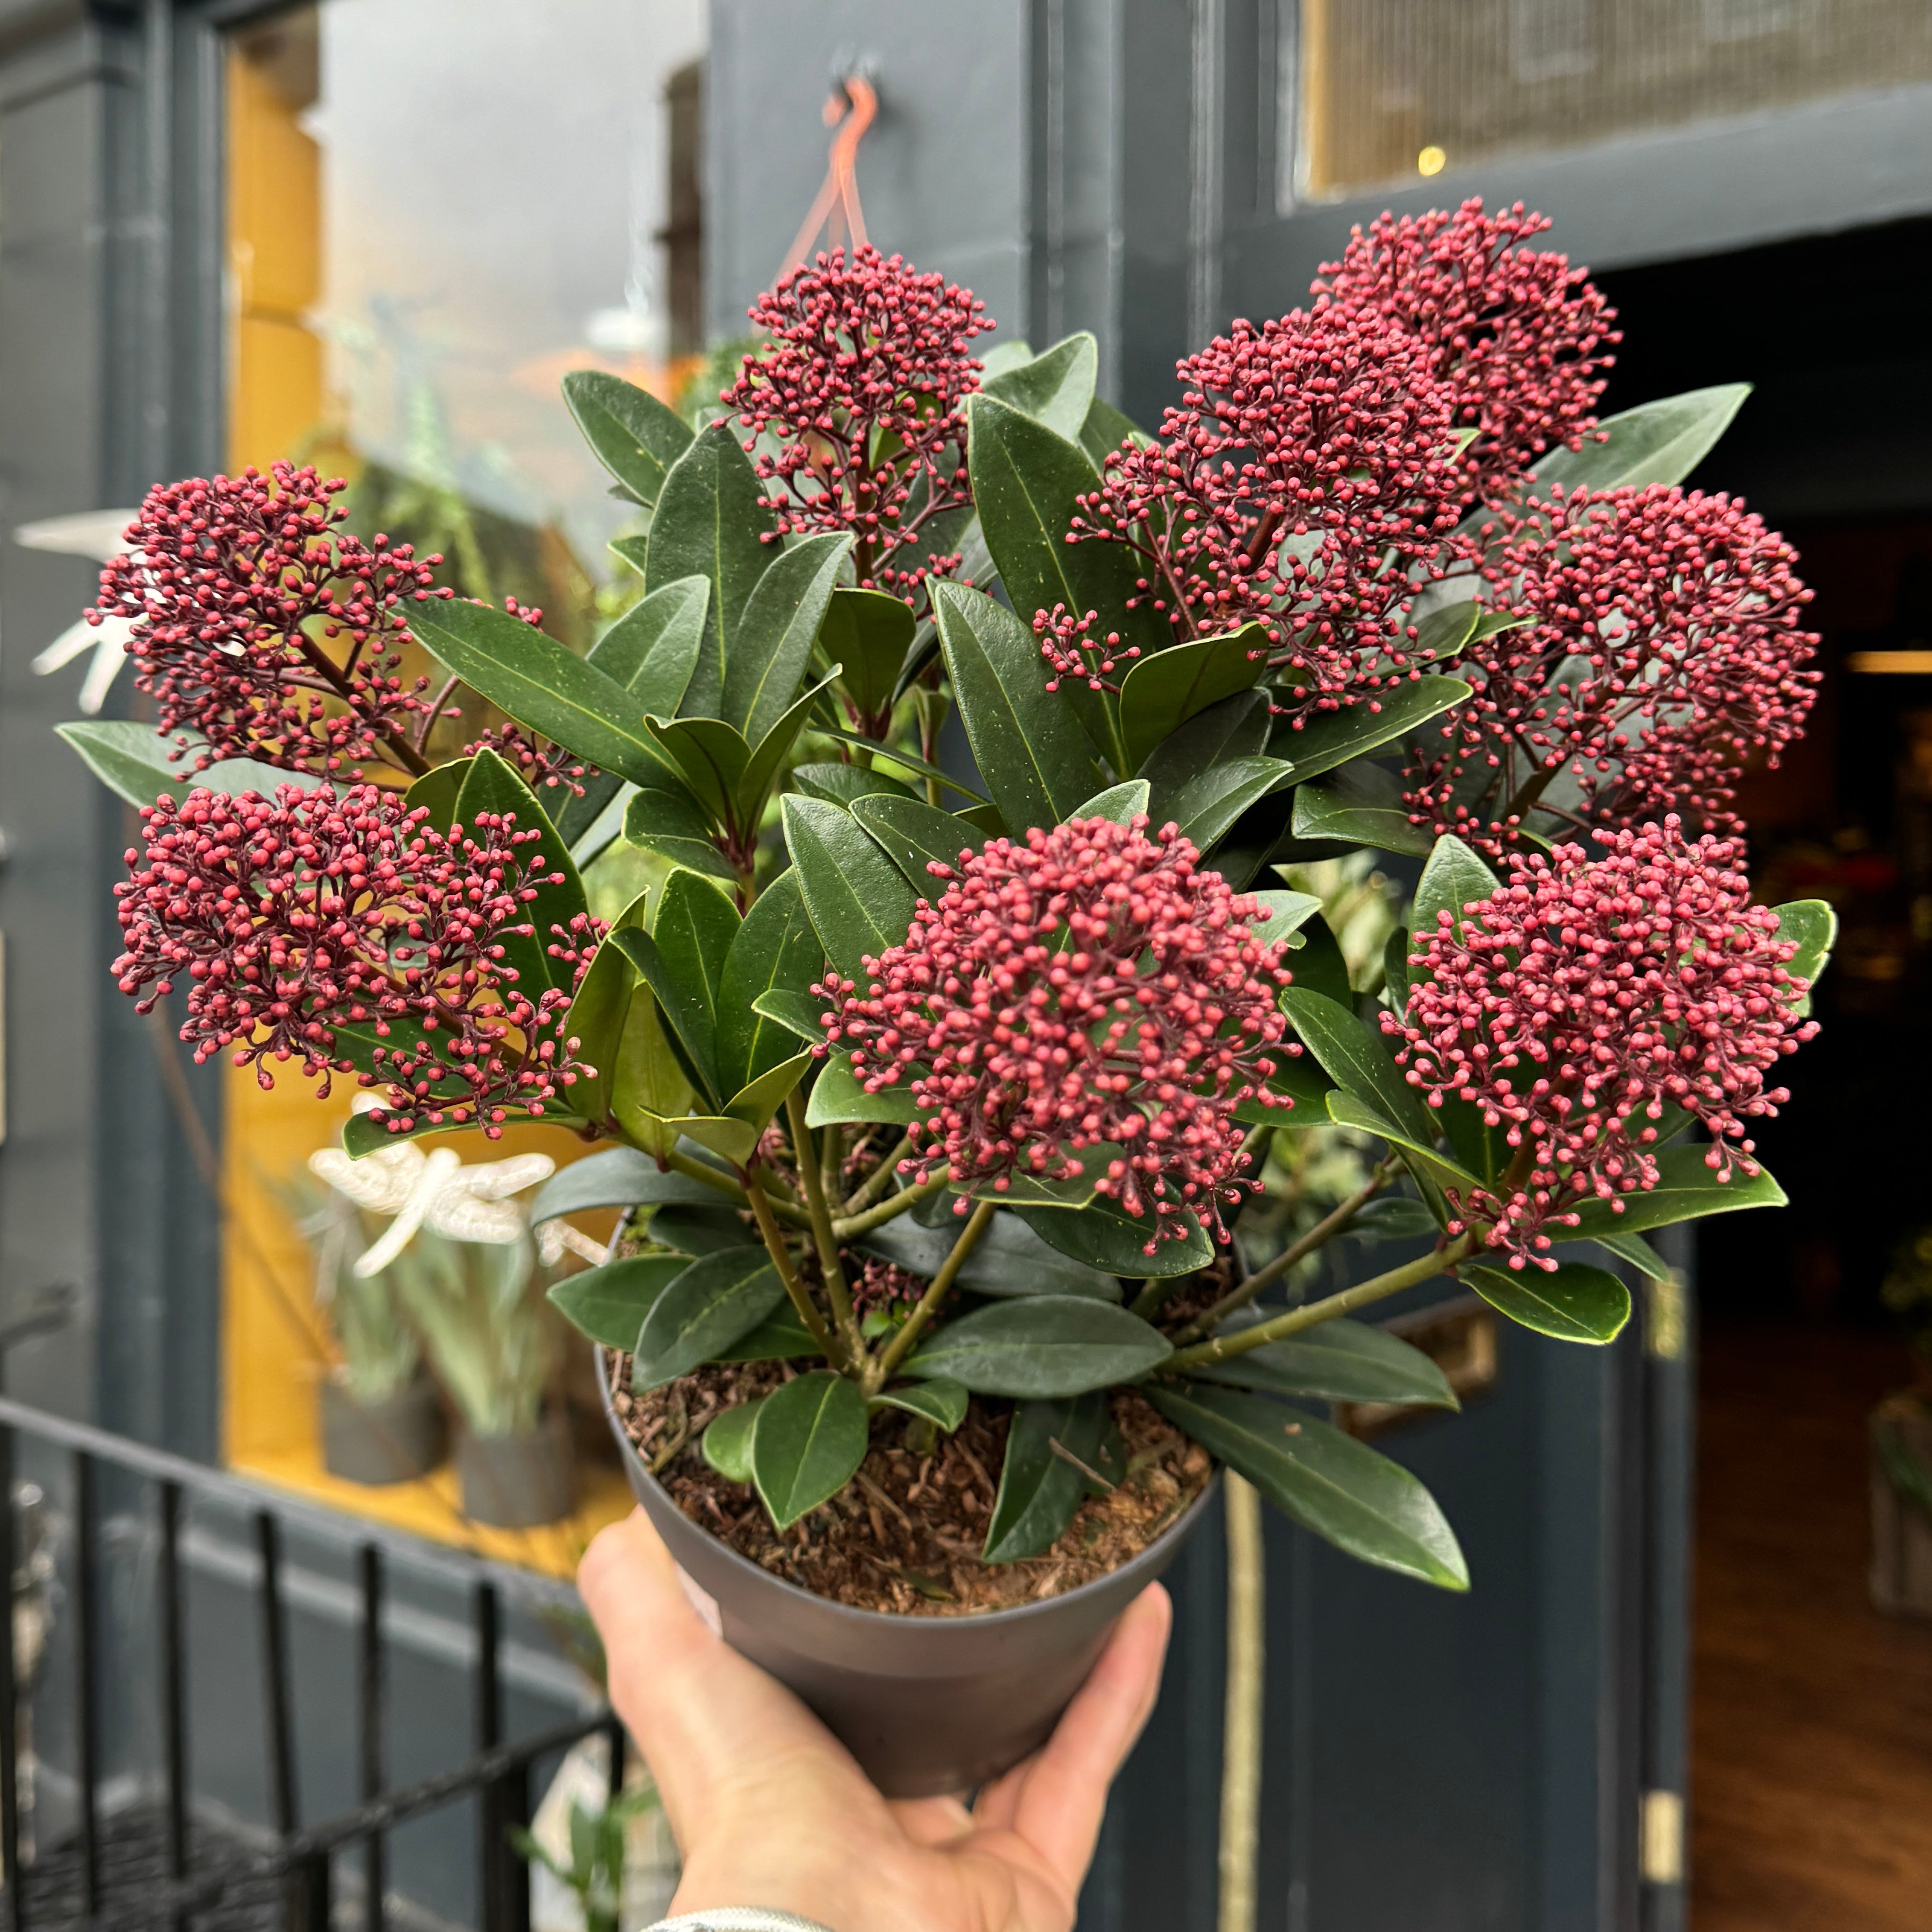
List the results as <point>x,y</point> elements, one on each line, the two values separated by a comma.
<point>1092,988</point>
<point>883,1286</point>
<point>861,386</point>
<point>1307,481</point>
<point>1065,644</point>
<point>1663,648</point>
<point>1589,1007</point>
<point>293,917</point>
<point>260,625</point>
<point>1521,337</point>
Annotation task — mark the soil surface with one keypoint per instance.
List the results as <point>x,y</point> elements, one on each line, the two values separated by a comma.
<point>904,1534</point>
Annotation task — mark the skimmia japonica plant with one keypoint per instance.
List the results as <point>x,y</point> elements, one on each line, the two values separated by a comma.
<point>966,1076</point>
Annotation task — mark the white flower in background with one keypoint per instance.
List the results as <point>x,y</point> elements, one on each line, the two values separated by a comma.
<point>95,534</point>
<point>433,1190</point>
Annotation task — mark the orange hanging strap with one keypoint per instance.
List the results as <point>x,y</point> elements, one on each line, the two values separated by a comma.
<point>851,108</point>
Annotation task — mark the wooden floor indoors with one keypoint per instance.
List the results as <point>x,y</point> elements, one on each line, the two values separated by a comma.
<point>1811,1781</point>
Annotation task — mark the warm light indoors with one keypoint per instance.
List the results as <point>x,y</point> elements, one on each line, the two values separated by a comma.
<point>1432,160</point>
<point>1896,664</point>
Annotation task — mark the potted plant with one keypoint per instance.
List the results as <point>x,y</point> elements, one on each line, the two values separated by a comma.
<point>1901,1439</point>
<point>937,1093</point>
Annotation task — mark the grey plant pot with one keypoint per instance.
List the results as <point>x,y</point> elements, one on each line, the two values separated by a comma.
<point>927,1705</point>
<point>517,1482</point>
<point>395,1441</point>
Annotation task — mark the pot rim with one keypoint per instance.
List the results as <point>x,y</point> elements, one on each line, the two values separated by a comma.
<point>974,1620</point>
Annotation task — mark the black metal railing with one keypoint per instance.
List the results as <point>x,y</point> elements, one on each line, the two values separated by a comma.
<point>153,1856</point>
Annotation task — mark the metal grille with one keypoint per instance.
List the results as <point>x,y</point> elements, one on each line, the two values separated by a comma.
<point>1383,82</point>
<point>131,1851</point>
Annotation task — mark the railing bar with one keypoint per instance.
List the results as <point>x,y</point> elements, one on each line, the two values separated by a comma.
<point>10,1763</point>
<point>275,1676</point>
<point>489,1720</point>
<point>86,1690</point>
<point>174,1730</point>
<point>620,1742</point>
<point>515,1815</point>
<point>369,1688</point>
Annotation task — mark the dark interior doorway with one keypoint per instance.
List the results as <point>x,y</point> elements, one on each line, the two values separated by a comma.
<point>1811,1779</point>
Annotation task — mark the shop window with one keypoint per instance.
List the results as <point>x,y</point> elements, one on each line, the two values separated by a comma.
<point>435,208</point>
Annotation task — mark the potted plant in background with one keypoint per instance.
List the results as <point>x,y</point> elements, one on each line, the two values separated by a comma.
<point>1901,1439</point>
<point>938,1099</point>
<point>457,1263</point>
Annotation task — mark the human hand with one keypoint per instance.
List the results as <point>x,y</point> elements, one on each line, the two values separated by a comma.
<point>770,1810</point>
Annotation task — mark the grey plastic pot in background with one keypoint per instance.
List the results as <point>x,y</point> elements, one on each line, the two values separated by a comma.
<point>927,1705</point>
<point>393,1441</point>
<point>517,1482</point>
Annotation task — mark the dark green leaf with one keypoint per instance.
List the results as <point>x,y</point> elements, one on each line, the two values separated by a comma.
<point>1656,443</point>
<point>859,900</point>
<point>1105,1236</point>
<point>1046,1344</point>
<point>709,1305</point>
<point>1576,1303</point>
<point>1395,969</point>
<point>1009,1259</point>
<point>1339,1361</point>
<point>761,1096</point>
<point>609,1303</point>
<point>695,930</point>
<point>131,760</point>
<point>1420,1153</point>
<point>1319,965</point>
<point>1283,914</point>
<point>1207,806</point>
<point>1039,1491</point>
<point>1454,879</point>
<point>809,1439</point>
<point>906,762</point>
<point>651,650</point>
<point>595,1021</point>
<point>711,522</point>
<point>634,549</point>
<point>799,1013</point>
<point>437,792</point>
<point>915,835</point>
<point>491,786</point>
<point>1359,805</point>
<point>699,1229</point>
<point>1333,738</point>
<point>771,750</point>
<point>1353,1056</point>
<point>1056,387</point>
<point>620,1176</point>
<point>781,1337</point>
<point>1166,688</point>
<point>1686,1190</point>
<point>669,824</point>
<point>652,1082</point>
<point>1814,925</point>
<point>1104,430</point>
<point>941,1402</point>
<point>1329,1482</point>
<point>776,950</point>
<point>634,436</point>
<point>1029,748</point>
<point>710,756</point>
<point>1640,1255</point>
<point>542,684</point>
<point>1236,727</point>
<point>1121,803</point>
<point>837,1095</point>
<point>767,654</point>
<point>845,785</point>
<point>868,632</point>
<point>727,1442</point>
<point>1444,632</point>
<point>592,820</point>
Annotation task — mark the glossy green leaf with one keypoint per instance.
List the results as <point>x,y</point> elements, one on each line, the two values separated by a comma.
<point>1106,429</point>
<point>595,1020</point>
<point>1056,387</point>
<point>544,686</point>
<point>1040,1491</point>
<point>767,656</point>
<point>1444,632</point>
<point>941,1402</point>
<point>1576,1303</point>
<point>1814,925</point>
<point>635,436</point>
<point>1454,879</point>
<point>1352,1055</point>
<point>652,1086</point>
<point>706,1307</point>
<point>1166,688</point>
<point>1359,805</point>
<point>780,1337</point>
<point>774,950</point>
<point>859,901</point>
<point>652,649</point>
<point>620,1176</point>
<point>914,834</point>
<point>610,1304</point>
<point>1048,1345</point>
<point>1333,738</point>
<point>695,930</point>
<point>761,1097</point>
<point>868,632</point>
<point>1395,969</point>
<point>437,791</point>
<point>592,820</point>
<point>1327,1482</point>
<point>727,1440</point>
<point>1319,965</point>
<point>1030,749</point>
<point>692,1230</point>
<point>1208,807</point>
<point>1236,727</point>
<point>1419,1150</point>
<point>710,756</point>
<point>1121,803</point>
<point>1638,1252</point>
<point>838,1097</point>
<point>896,760</point>
<point>1686,1190</point>
<point>1008,1260</point>
<point>669,824</point>
<point>1105,1236</point>
<point>131,760</point>
<point>810,1438</point>
<point>490,785</point>
<point>798,1013</point>
<point>845,785</point>
<point>771,750</point>
<point>711,522</point>
<point>1656,443</point>
<point>1339,1361</point>
<point>633,549</point>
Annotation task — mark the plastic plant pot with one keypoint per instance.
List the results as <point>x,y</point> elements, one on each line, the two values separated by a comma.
<point>397,1440</point>
<point>517,1482</point>
<point>927,1705</point>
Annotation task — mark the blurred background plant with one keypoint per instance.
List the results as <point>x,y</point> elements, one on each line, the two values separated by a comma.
<point>380,1353</point>
<point>1907,1293</point>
